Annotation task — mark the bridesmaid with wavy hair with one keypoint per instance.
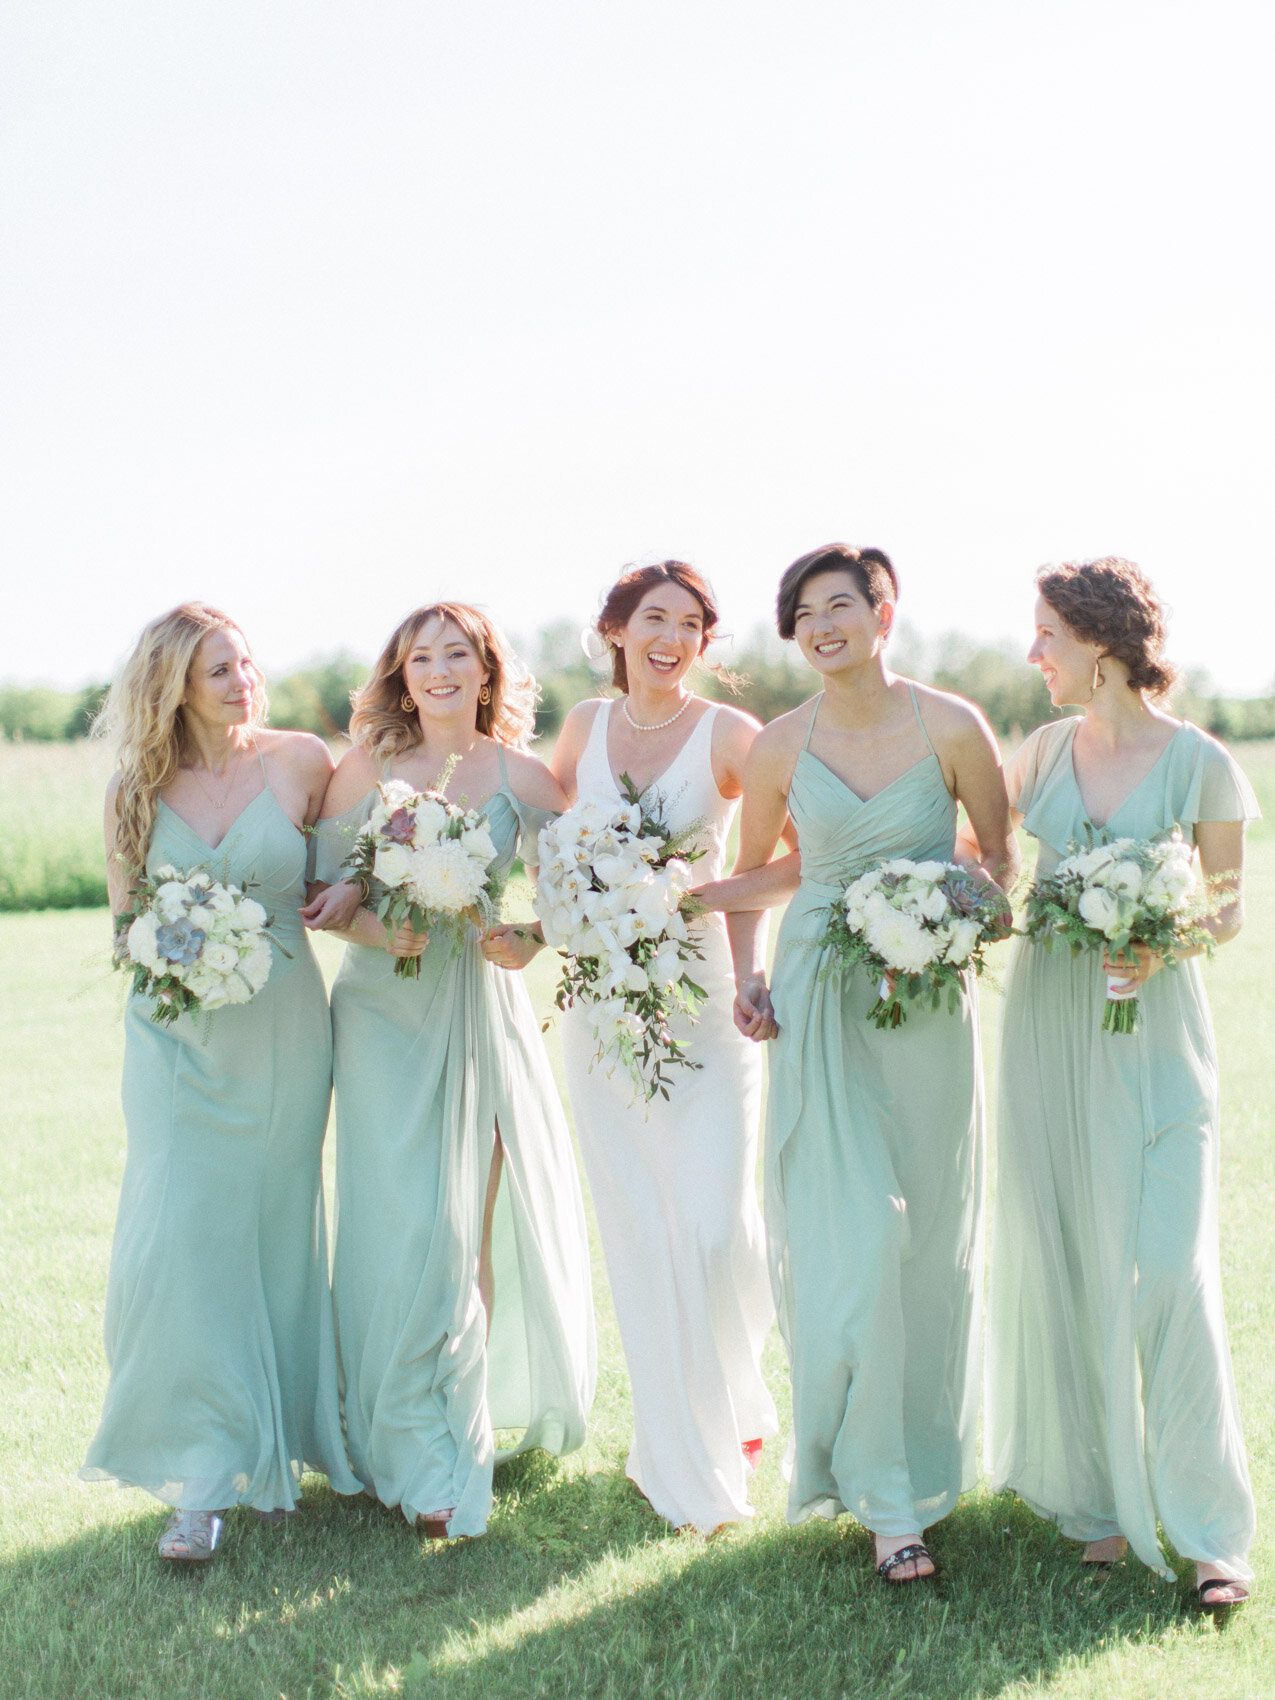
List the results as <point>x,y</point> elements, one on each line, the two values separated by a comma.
<point>218,1317</point>
<point>874,1139</point>
<point>461,1269</point>
<point>1111,1401</point>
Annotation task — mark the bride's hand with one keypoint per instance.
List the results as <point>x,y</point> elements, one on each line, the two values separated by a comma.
<point>753,1011</point>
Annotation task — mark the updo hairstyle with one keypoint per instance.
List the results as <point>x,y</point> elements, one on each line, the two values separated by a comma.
<point>1110,602</point>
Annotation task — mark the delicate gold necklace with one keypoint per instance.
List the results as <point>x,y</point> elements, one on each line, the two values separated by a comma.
<point>659,724</point>
<point>232,768</point>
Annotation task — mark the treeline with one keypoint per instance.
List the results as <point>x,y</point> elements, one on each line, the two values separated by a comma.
<point>761,675</point>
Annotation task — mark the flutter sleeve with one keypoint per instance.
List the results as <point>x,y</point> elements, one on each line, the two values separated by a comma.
<point>1029,763</point>
<point>332,840</point>
<point>1222,791</point>
<point>530,823</point>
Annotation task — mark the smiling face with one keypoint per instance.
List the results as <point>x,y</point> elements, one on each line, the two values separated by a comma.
<point>1066,662</point>
<point>836,625</point>
<point>443,671</point>
<point>662,637</point>
<point>223,680</point>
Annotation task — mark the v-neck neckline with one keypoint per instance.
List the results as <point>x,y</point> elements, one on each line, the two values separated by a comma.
<point>1102,825</point>
<point>864,801</point>
<point>265,791</point>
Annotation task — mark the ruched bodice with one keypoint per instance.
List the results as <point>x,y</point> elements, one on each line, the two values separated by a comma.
<point>842,835</point>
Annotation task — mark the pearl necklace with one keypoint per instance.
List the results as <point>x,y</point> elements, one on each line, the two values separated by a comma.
<point>659,725</point>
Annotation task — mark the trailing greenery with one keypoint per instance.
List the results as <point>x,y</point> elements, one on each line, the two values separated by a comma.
<point>578,1589</point>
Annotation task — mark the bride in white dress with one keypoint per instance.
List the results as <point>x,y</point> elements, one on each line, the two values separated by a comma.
<point>673,1183</point>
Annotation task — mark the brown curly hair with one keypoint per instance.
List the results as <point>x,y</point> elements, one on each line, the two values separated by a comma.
<point>386,729</point>
<point>1110,602</point>
<point>625,597</point>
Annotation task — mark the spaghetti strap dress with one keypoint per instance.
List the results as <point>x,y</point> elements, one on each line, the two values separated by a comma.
<point>674,1191</point>
<point>223,1383</point>
<point>1111,1402</point>
<point>427,1071</point>
<point>874,1184</point>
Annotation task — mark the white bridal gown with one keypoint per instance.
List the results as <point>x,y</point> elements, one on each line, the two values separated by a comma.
<point>676,1201</point>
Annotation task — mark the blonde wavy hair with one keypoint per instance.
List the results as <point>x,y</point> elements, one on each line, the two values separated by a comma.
<point>142,716</point>
<point>386,729</point>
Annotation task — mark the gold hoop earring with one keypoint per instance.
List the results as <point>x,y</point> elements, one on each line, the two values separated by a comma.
<point>407,705</point>
<point>484,694</point>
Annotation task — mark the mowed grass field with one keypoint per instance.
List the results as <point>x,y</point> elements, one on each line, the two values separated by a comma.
<point>578,1589</point>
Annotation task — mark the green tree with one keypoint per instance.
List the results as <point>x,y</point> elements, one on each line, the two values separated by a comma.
<point>317,698</point>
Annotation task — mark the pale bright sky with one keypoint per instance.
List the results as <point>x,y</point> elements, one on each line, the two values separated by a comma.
<point>318,310</point>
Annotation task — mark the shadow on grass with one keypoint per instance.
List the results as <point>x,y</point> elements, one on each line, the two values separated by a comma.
<point>578,1589</point>
<point>793,1614</point>
<point>320,1605</point>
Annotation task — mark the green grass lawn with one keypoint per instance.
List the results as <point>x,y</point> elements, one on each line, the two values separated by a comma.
<point>578,1589</point>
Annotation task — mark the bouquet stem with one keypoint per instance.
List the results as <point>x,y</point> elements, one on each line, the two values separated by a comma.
<point>1121,1013</point>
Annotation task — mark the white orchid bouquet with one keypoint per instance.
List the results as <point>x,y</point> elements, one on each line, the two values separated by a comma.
<point>613,897</point>
<point>192,943</point>
<point>425,863</point>
<point>916,927</point>
<point>1116,893</point>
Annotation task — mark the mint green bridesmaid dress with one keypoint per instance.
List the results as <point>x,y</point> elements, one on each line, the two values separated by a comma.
<point>874,1185</point>
<point>426,1071</point>
<point>1111,1402</point>
<point>223,1383</point>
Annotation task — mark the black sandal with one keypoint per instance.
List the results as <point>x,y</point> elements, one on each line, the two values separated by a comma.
<point>1205,1590</point>
<point>906,1555</point>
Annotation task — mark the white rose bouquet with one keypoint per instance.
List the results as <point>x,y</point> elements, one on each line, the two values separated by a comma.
<point>613,897</point>
<point>426,863</point>
<point>917,926</point>
<point>193,944</point>
<point>1118,893</point>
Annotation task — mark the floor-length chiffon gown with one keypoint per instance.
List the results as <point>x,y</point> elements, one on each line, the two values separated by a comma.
<point>223,1383</point>
<point>426,1071</point>
<point>874,1184</point>
<point>674,1191</point>
<point>1111,1401</point>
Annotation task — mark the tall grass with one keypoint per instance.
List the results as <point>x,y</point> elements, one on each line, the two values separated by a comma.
<point>51,825</point>
<point>51,820</point>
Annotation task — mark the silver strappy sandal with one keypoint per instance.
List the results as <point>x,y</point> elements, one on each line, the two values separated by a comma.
<point>192,1536</point>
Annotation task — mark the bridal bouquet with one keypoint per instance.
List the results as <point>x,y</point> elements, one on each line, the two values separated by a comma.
<point>917,926</point>
<point>425,862</point>
<point>613,898</point>
<point>192,943</point>
<point>1120,893</point>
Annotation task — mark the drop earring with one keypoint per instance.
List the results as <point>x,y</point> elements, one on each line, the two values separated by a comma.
<point>484,694</point>
<point>407,704</point>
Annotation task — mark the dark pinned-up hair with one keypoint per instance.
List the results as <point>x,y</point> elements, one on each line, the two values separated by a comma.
<point>1110,602</point>
<point>625,597</point>
<point>871,569</point>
